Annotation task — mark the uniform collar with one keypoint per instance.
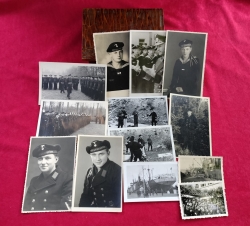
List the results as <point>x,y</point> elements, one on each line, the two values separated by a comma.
<point>123,64</point>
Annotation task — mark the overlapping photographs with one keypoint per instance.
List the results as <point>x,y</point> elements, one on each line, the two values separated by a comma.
<point>49,175</point>
<point>70,118</point>
<point>202,200</point>
<point>112,49</point>
<point>137,112</point>
<point>190,120</point>
<point>149,144</point>
<point>185,63</point>
<point>200,168</point>
<point>72,81</point>
<point>147,53</point>
<point>145,182</point>
<point>98,175</point>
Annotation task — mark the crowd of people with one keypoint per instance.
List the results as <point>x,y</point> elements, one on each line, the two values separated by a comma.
<point>199,207</point>
<point>93,87</point>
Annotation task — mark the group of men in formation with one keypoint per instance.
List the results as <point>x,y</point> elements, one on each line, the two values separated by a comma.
<point>93,87</point>
<point>138,148</point>
<point>147,66</point>
<point>62,124</point>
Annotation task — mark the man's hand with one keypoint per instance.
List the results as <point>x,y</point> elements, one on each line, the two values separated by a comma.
<point>136,67</point>
<point>179,89</point>
<point>149,71</point>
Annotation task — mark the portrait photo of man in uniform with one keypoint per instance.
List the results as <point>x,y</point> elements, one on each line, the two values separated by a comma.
<point>184,65</point>
<point>97,185</point>
<point>112,49</point>
<point>147,62</point>
<point>49,175</point>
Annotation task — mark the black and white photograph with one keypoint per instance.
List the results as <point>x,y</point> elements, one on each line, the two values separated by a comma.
<point>137,112</point>
<point>202,200</point>
<point>199,168</point>
<point>148,182</point>
<point>98,174</point>
<point>72,81</point>
<point>191,124</point>
<point>112,49</point>
<point>49,175</point>
<point>147,56</point>
<point>185,63</point>
<point>149,144</point>
<point>70,118</point>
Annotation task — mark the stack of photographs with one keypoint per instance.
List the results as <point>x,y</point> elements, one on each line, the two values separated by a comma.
<point>99,121</point>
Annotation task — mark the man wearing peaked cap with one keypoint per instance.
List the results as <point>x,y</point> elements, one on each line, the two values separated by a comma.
<point>186,71</point>
<point>52,189</point>
<point>117,68</point>
<point>102,185</point>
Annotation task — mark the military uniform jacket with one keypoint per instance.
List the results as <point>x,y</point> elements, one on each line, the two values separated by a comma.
<point>51,193</point>
<point>118,79</point>
<point>103,188</point>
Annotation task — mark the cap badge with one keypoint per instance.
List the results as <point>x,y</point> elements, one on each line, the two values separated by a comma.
<point>94,143</point>
<point>42,147</point>
<point>116,45</point>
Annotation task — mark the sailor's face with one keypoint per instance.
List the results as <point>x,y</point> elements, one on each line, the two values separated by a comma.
<point>137,52</point>
<point>151,52</point>
<point>99,158</point>
<point>47,163</point>
<point>189,113</point>
<point>161,49</point>
<point>185,51</point>
<point>116,55</point>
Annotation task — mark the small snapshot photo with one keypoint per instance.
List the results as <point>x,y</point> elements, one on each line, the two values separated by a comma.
<point>149,144</point>
<point>147,56</point>
<point>137,112</point>
<point>190,120</point>
<point>202,200</point>
<point>72,81</point>
<point>98,174</point>
<point>150,182</point>
<point>112,49</point>
<point>70,118</point>
<point>49,175</point>
<point>199,168</point>
<point>185,63</point>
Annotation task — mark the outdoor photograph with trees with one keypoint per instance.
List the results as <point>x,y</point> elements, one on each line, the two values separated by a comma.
<point>190,120</point>
<point>64,118</point>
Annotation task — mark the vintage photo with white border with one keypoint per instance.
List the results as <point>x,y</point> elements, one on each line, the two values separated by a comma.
<point>112,49</point>
<point>49,174</point>
<point>185,63</point>
<point>98,174</point>
<point>202,200</point>
<point>150,182</point>
<point>70,118</point>
<point>65,81</point>
<point>148,144</point>
<point>200,168</point>
<point>137,112</point>
<point>147,56</point>
<point>191,123</point>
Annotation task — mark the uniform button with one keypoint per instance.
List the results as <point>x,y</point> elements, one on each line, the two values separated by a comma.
<point>104,200</point>
<point>35,193</point>
<point>46,192</point>
<point>45,200</point>
<point>33,200</point>
<point>102,195</point>
<point>44,208</point>
<point>32,208</point>
<point>95,198</point>
<point>102,189</point>
<point>94,193</point>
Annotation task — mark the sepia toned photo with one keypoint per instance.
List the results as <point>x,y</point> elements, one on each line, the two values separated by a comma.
<point>49,175</point>
<point>185,63</point>
<point>202,200</point>
<point>70,118</point>
<point>72,81</point>
<point>112,49</point>
<point>198,168</point>
<point>147,182</point>
<point>190,120</point>
<point>98,174</point>
<point>137,112</point>
<point>149,144</point>
<point>147,56</point>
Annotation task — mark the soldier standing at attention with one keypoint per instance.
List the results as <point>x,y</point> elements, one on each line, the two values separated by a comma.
<point>61,84</point>
<point>55,82</point>
<point>102,185</point>
<point>52,189</point>
<point>50,82</point>
<point>69,86</point>
<point>117,68</point>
